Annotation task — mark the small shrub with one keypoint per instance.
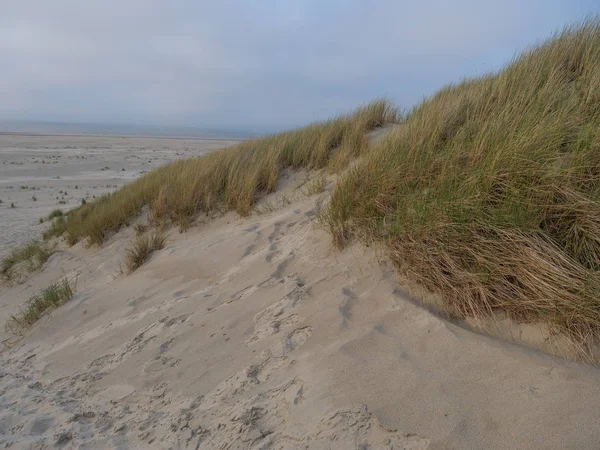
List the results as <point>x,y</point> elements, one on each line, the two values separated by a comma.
<point>12,204</point>
<point>141,248</point>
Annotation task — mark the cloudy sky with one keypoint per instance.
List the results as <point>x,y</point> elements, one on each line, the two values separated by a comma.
<point>259,65</point>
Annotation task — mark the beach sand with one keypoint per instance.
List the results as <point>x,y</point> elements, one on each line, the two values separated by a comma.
<point>41,173</point>
<point>256,333</point>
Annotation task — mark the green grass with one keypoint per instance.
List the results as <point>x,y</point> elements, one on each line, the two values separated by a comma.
<point>142,247</point>
<point>48,299</point>
<point>56,213</point>
<point>489,192</point>
<point>27,258</point>
<point>231,179</point>
<point>56,229</point>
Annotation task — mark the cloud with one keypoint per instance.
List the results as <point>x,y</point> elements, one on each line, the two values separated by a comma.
<point>261,65</point>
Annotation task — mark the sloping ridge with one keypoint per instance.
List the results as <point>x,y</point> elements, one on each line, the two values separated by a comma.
<point>256,333</point>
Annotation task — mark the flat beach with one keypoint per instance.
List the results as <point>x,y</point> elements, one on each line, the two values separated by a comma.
<point>40,173</point>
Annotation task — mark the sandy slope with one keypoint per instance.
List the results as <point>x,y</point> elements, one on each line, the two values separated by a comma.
<point>255,333</point>
<point>41,173</point>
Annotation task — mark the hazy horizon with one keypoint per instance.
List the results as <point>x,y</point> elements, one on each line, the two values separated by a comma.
<point>123,129</point>
<point>255,67</point>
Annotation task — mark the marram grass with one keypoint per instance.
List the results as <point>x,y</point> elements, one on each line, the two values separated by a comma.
<point>230,179</point>
<point>489,192</point>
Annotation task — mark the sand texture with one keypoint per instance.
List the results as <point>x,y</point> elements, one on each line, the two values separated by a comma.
<point>41,173</point>
<point>256,333</point>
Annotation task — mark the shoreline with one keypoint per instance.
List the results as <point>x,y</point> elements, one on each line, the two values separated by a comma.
<point>40,173</point>
<point>124,136</point>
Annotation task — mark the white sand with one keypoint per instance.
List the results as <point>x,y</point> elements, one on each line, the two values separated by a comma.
<point>45,167</point>
<point>255,333</point>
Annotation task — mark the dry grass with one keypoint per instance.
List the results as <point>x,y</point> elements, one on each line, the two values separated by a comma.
<point>48,299</point>
<point>56,229</point>
<point>24,259</point>
<point>489,192</point>
<point>231,179</point>
<point>316,185</point>
<point>141,248</point>
<point>140,228</point>
<point>55,213</point>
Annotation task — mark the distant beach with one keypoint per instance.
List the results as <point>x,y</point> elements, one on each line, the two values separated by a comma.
<point>39,173</point>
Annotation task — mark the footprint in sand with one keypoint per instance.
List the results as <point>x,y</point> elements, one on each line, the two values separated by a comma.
<point>274,358</point>
<point>276,231</point>
<point>291,342</point>
<point>279,316</point>
<point>345,308</point>
<point>282,266</point>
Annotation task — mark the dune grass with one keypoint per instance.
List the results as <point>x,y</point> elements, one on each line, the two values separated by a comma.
<point>56,229</point>
<point>55,213</point>
<point>30,257</point>
<point>231,179</point>
<point>48,299</point>
<point>489,192</point>
<point>141,248</point>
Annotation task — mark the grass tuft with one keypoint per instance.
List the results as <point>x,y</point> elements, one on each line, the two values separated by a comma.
<point>141,248</point>
<point>55,213</point>
<point>30,257</point>
<point>316,185</point>
<point>57,228</point>
<point>46,300</point>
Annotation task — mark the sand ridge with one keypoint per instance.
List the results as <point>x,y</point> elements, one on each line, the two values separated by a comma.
<point>256,333</point>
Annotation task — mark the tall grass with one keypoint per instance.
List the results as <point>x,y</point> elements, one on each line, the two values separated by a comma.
<point>489,192</point>
<point>231,179</point>
<point>56,229</point>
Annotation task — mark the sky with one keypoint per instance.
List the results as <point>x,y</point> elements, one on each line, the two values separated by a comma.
<point>256,65</point>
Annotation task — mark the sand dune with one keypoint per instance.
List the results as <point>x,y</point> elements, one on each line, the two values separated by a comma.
<point>256,333</point>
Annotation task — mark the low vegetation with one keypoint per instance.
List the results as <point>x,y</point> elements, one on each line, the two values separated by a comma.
<point>141,248</point>
<point>316,185</point>
<point>55,213</point>
<point>56,229</point>
<point>232,179</point>
<point>489,192</point>
<point>46,300</point>
<point>24,259</point>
